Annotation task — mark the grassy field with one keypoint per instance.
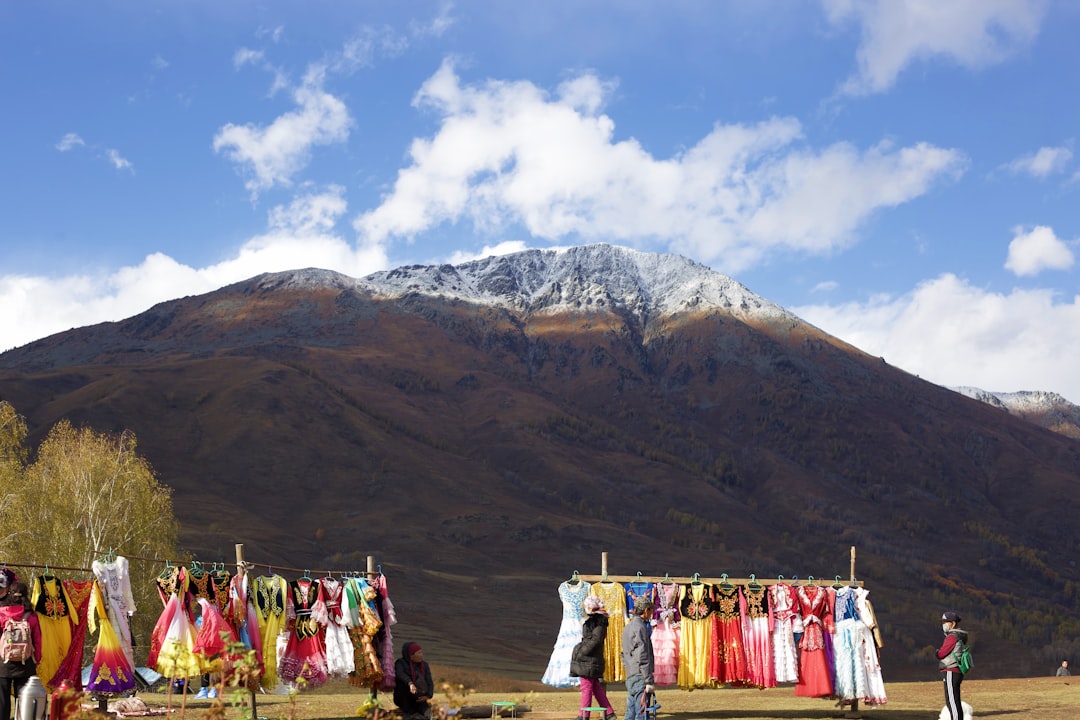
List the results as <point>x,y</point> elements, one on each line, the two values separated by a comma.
<point>1043,698</point>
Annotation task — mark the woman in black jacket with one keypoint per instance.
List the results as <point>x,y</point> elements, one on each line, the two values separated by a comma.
<point>413,688</point>
<point>587,659</point>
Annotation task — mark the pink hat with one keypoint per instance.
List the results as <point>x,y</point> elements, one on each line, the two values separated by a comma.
<point>593,604</point>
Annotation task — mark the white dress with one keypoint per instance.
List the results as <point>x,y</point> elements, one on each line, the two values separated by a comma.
<point>340,660</point>
<point>558,669</point>
<point>784,614</point>
<point>858,672</point>
<point>115,584</point>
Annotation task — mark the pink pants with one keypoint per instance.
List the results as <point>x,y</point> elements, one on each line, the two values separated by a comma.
<point>594,687</point>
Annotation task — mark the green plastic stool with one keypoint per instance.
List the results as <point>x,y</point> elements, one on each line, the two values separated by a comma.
<point>498,706</point>
<point>591,710</point>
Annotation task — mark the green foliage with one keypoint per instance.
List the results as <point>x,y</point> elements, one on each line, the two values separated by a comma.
<point>84,493</point>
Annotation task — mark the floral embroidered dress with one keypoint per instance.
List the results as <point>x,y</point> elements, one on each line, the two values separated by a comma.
<point>729,653</point>
<point>757,636</point>
<point>362,619</point>
<point>784,611</point>
<point>384,641</point>
<point>613,595</point>
<point>111,671</point>
<point>815,676</point>
<point>572,593</point>
<point>305,655</point>
<point>858,672</point>
<point>327,612</point>
<point>70,669</point>
<point>271,594</point>
<point>695,646</point>
<point>54,611</point>
<point>114,582</point>
<point>665,634</point>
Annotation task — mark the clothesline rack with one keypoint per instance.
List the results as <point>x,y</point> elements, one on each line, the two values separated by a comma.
<point>723,578</point>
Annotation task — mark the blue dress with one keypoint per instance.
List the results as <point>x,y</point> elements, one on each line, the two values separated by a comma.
<point>558,669</point>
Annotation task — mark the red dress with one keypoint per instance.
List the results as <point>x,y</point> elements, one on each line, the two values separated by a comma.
<point>815,679</point>
<point>729,654</point>
<point>304,656</point>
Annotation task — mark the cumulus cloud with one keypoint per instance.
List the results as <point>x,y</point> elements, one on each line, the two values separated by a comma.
<point>119,161</point>
<point>509,153</point>
<point>503,248</point>
<point>270,155</point>
<point>1045,161</point>
<point>897,33</point>
<point>300,234</point>
<point>952,333</point>
<point>247,56</point>
<point>1040,249</point>
<point>69,141</point>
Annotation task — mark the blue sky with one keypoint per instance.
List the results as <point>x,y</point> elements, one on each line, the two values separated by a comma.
<point>903,174</point>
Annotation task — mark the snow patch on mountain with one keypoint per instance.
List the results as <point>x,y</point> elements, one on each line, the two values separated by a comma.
<point>1027,403</point>
<point>592,277</point>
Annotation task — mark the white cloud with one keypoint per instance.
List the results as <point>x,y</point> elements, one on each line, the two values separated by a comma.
<point>1032,252</point>
<point>118,161</point>
<point>272,154</point>
<point>299,235</point>
<point>247,56</point>
<point>159,62</point>
<point>897,33</point>
<point>951,333</point>
<point>825,286</point>
<point>507,153</point>
<point>69,141</point>
<point>1043,162</point>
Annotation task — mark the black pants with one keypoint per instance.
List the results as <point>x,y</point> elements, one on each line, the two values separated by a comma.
<point>952,694</point>
<point>7,686</point>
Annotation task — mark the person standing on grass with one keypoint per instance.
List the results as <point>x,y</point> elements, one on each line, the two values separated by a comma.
<point>587,659</point>
<point>948,662</point>
<point>1063,671</point>
<point>413,687</point>
<point>637,655</point>
<point>14,673</point>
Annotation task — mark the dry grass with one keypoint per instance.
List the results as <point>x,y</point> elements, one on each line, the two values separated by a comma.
<point>1044,698</point>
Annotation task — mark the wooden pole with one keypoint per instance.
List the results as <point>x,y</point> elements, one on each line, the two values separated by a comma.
<point>241,570</point>
<point>603,565</point>
<point>852,563</point>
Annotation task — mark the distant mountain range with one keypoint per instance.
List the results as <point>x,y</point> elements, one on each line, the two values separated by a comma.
<point>1047,409</point>
<point>487,428</point>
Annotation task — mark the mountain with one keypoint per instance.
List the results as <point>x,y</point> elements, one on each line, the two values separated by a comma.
<point>1047,409</point>
<point>483,430</point>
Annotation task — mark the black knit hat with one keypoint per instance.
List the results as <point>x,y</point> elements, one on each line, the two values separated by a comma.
<point>950,616</point>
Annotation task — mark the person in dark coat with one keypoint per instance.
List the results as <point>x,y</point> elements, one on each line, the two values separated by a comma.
<point>587,659</point>
<point>413,687</point>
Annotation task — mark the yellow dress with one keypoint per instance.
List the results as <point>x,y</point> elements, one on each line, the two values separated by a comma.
<point>55,616</point>
<point>697,608</point>
<point>270,594</point>
<point>613,595</point>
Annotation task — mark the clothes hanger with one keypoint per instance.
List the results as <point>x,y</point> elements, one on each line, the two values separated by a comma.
<point>838,584</point>
<point>667,580</point>
<point>724,584</point>
<point>696,580</point>
<point>574,579</point>
<point>753,584</point>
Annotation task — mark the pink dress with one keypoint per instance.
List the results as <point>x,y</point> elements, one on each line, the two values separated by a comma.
<point>213,637</point>
<point>784,610</point>
<point>666,634</point>
<point>304,657</point>
<point>757,637</point>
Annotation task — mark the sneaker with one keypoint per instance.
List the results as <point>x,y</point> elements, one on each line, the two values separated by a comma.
<point>202,694</point>
<point>213,693</point>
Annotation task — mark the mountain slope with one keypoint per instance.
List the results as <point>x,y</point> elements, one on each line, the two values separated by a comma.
<point>485,429</point>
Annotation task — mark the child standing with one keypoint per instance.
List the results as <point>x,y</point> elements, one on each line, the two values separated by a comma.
<point>949,662</point>
<point>587,659</point>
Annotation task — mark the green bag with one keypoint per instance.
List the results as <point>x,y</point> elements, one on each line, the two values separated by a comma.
<point>964,661</point>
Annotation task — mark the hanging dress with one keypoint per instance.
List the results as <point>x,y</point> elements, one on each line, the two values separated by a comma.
<point>665,635</point>
<point>362,619</point>
<point>757,636</point>
<point>111,672</point>
<point>54,612</point>
<point>213,638</point>
<point>70,669</point>
<point>172,649</point>
<point>613,595</point>
<point>572,593</point>
<point>241,615</point>
<point>858,672</point>
<point>695,645</point>
<point>815,676</point>
<point>305,656</point>
<point>327,612</point>
<point>114,582</point>
<point>784,610</point>
<point>384,641</point>
<point>729,653</point>
<point>271,593</point>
